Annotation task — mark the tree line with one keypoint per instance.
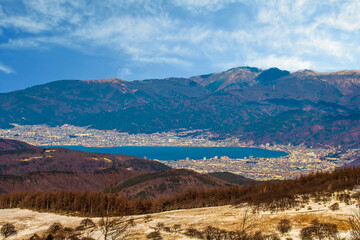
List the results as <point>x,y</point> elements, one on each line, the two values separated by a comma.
<point>284,194</point>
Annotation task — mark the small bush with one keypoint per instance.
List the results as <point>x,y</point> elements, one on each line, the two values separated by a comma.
<point>154,235</point>
<point>132,222</point>
<point>191,232</point>
<point>147,218</point>
<point>49,237</point>
<point>35,237</point>
<point>177,227</point>
<point>334,207</point>
<point>8,229</point>
<point>214,233</point>
<point>160,225</point>
<point>284,226</point>
<point>87,223</point>
<point>55,228</point>
<point>319,231</point>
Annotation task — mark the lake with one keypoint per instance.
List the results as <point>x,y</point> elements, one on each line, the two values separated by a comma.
<point>177,153</point>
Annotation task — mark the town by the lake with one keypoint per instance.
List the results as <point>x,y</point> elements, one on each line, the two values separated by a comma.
<point>300,160</point>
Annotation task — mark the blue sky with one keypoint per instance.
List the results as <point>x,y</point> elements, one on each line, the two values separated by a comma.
<point>47,40</point>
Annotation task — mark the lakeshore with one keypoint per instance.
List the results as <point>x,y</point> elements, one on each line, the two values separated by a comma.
<point>295,161</point>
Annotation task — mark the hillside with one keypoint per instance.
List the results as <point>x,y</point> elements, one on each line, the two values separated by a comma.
<point>252,104</point>
<point>233,178</point>
<point>166,183</point>
<point>8,146</point>
<point>24,167</point>
<point>54,181</point>
<point>63,169</point>
<point>65,160</point>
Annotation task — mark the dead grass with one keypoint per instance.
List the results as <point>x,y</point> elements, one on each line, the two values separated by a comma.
<point>223,217</point>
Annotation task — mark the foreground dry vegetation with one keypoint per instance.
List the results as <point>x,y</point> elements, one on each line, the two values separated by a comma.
<point>317,206</point>
<point>223,222</point>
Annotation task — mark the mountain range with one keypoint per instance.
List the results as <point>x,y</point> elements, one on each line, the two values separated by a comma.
<point>270,105</point>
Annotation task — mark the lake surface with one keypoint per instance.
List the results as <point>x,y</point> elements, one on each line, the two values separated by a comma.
<point>177,153</point>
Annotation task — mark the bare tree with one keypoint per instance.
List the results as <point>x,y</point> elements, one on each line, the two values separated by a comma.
<point>113,224</point>
<point>114,227</point>
<point>248,221</point>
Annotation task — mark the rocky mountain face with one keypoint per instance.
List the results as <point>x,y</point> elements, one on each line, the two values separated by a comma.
<point>252,104</point>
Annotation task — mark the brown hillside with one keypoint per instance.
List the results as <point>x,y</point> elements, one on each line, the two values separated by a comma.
<point>52,181</point>
<point>61,159</point>
<point>166,183</point>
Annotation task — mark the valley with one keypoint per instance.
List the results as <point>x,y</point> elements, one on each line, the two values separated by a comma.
<point>301,159</point>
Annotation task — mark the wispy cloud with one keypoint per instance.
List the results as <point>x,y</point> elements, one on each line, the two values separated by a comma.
<point>292,34</point>
<point>6,69</point>
<point>198,6</point>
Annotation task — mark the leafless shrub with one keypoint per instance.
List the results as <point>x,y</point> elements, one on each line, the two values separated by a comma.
<point>7,230</point>
<point>284,226</point>
<point>114,227</point>
<point>334,207</point>
<point>214,233</point>
<point>248,221</point>
<point>319,231</point>
<point>160,225</point>
<point>176,227</point>
<point>132,222</point>
<point>192,232</point>
<point>154,235</point>
<point>35,237</point>
<point>147,218</point>
<point>87,223</point>
<point>55,227</point>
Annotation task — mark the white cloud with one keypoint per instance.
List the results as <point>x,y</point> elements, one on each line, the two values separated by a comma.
<point>24,23</point>
<point>291,33</point>
<point>6,69</point>
<point>197,6</point>
<point>282,62</point>
<point>347,17</point>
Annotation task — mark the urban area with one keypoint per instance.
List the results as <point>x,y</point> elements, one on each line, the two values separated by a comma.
<point>300,159</point>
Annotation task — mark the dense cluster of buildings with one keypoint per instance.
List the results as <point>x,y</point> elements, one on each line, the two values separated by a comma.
<point>68,135</point>
<point>299,161</point>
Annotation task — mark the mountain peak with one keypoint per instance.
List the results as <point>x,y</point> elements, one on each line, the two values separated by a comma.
<point>107,80</point>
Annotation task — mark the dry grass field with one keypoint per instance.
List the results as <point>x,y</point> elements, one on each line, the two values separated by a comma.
<point>174,224</point>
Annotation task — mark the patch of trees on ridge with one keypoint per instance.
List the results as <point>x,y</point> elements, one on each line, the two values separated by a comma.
<point>283,193</point>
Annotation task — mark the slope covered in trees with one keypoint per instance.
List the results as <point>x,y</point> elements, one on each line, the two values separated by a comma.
<point>275,195</point>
